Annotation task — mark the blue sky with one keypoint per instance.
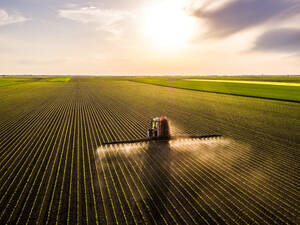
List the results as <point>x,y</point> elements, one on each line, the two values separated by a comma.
<point>142,37</point>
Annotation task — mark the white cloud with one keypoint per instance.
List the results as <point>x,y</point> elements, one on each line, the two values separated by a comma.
<point>6,18</point>
<point>109,20</point>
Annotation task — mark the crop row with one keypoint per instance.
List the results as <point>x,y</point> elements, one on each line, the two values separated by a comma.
<point>53,170</point>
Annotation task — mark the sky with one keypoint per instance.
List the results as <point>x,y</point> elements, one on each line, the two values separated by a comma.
<point>150,37</point>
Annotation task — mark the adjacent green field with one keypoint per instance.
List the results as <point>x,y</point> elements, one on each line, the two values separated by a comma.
<point>59,79</point>
<point>283,89</point>
<point>294,79</point>
<point>272,83</point>
<point>13,81</point>
<point>4,82</point>
<point>8,81</point>
<point>55,170</point>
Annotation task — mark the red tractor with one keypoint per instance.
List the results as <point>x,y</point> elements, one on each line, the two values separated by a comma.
<point>159,128</point>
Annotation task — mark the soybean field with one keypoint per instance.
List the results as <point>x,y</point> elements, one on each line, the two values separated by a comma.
<point>55,168</point>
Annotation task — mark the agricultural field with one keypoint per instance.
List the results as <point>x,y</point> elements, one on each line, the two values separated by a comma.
<point>285,88</point>
<point>8,81</point>
<point>55,168</point>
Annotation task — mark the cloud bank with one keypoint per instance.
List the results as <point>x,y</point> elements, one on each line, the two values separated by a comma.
<point>280,40</point>
<point>12,18</point>
<point>237,15</point>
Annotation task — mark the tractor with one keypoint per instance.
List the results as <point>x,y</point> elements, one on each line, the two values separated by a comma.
<point>159,129</point>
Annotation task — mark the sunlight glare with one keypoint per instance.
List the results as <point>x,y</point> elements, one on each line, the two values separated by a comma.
<point>168,24</point>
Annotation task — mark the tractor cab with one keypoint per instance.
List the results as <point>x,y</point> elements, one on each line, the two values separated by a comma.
<point>159,128</point>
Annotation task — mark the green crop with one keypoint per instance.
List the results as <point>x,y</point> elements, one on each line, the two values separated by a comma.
<point>55,168</point>
<point>278,90</point>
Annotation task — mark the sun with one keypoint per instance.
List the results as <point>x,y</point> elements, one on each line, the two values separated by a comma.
<point>168,24</point>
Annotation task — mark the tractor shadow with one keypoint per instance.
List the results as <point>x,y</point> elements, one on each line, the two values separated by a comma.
<point>156,172</point>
